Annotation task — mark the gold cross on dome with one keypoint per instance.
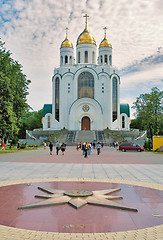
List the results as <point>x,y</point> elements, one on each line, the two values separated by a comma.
<point>66,31</point>
<point>105,28</point>
<point>86,20</point>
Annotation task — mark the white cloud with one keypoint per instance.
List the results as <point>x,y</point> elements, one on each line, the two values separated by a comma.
<point>36,29</point>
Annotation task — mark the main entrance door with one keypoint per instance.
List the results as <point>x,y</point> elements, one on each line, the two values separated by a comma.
<point>85,124</point>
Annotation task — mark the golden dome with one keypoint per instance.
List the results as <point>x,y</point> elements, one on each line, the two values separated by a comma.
<point>66,43</point>
<point>85,36</point>
<point>105,43</point>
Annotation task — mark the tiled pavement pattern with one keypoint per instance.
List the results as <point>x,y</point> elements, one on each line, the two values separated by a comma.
<point>147,175</point>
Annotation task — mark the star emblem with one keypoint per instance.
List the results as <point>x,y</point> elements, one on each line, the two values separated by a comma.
<point>78,198</point>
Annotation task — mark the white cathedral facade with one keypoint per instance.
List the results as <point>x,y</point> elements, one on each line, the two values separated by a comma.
<point>86,92</point>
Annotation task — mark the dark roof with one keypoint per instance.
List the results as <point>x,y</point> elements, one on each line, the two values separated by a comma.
<point>47,109</point>
<point>124,108</point>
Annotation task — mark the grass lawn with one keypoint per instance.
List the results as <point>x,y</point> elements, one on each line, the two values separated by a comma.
<point>14,149</point>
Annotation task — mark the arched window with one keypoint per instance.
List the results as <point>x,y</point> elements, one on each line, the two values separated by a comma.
<point>66,59</point>
<point>93,57</point>
<point>86,57</point>
<point>101,59</point>
<point>114,98</point>
<point>57,98</point>
<point>78,57</point>
<point>85,85</point>
<point>123,122</point>
<point>48,121</point>
<point>110,60</point>
<point>106,59</point>
<point>70,59</point>
<point>61,60</point>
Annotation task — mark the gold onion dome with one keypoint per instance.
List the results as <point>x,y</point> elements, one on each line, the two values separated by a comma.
<point>66,42</point>
<point>104,42</point>
<point>85,36</point>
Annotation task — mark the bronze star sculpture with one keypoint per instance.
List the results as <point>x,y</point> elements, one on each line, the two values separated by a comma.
<point>79,198</point>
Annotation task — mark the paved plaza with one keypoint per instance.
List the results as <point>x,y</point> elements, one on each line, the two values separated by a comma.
<point>111,166</point>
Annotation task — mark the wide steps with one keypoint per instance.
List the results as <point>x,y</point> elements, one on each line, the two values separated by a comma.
<point>85,136</point>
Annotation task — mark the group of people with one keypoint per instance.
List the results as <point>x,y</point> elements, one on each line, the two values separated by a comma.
<point>58,147</point>
<point>86,147</point>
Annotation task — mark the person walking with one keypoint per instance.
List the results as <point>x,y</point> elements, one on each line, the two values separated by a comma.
<point>90,148</point>
<point>86,150</point>
<point>18,145</point>
<point>51,147</point>
<point>57,147</point>
<point>98,147</point>
<point>83,148</point>
<point>63,148</point>
<point>3,146</point>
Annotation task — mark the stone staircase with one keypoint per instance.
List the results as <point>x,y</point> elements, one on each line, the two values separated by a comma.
<point>70,137</point>
<point>100,137</point>
<point>85,136</point>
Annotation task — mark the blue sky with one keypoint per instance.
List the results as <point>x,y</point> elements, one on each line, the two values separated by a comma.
<point>34,29</point>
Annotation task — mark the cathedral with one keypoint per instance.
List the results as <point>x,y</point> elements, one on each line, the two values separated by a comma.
<point>86,91</point>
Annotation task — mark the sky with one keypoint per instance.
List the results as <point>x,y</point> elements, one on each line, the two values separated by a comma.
<point>33,31</point>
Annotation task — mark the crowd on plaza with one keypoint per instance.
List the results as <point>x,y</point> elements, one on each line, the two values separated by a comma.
<point>86,148</point>
<point>58,147</point>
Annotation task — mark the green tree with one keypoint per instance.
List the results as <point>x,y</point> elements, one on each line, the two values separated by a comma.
<point>30,121</point>
<point>149,111</point>
<point>13,92</point>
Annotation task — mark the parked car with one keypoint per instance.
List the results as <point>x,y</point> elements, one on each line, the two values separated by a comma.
<point>130,146</point>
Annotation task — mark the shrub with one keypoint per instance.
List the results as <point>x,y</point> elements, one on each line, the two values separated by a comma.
<point>23,146</point>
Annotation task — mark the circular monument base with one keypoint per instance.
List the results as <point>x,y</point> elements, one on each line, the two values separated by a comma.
<point>64,218</point>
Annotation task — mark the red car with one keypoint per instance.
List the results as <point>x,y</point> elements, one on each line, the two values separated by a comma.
<point>130,146</point>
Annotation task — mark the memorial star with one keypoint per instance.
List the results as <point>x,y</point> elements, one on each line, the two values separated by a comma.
<point>79,198</point>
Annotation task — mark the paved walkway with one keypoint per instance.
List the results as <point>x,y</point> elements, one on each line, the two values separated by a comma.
<point>142,169</point>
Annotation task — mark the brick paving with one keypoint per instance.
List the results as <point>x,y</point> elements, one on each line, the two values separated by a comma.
<point>141,169</point>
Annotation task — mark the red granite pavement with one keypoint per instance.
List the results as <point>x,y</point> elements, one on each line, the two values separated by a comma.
<point>107,156</point>
<point>88,219</point>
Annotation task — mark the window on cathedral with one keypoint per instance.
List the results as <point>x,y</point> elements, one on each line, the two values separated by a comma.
<point>102,87</point>
<point>123,122</point>
<point>93,57</point>
<point>85,85</point>
<point>66,59</point>
<point>57,98</point>
<point>78,57</point>
<point>114,98</point>
<point>48,121</point>
<point>68,87</point>
<point>70,59</point>
<point>106,59</point>
<point>86,57</point>
<point>110,60</point>
<point>61,60</point>
<point>101,59</point>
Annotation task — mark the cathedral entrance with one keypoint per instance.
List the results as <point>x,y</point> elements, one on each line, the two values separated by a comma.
<point>85,124</point>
